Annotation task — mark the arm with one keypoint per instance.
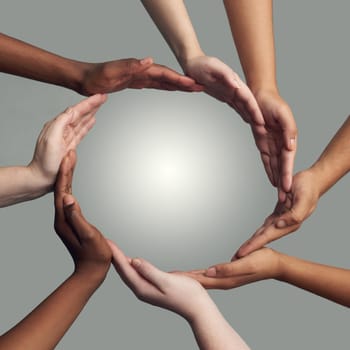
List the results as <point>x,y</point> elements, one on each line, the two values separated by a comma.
<point>181,295</point>
<point>219,80</point>
<point>307,188</point>
<point>326,281</point>
<point>58,136</point>
<point>252,28</point>
<point>45,325</point>
<point>20,58</point>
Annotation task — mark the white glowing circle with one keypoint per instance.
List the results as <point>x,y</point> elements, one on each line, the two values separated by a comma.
<point>169,173</point>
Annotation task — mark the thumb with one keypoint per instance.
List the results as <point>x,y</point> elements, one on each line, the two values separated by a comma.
<point>149,272</point>
<point>296,215</point>
<point>76,220</point>
<point>134,66</point>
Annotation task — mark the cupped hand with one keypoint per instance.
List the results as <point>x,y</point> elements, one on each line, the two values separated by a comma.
<point>62,134</point>
<point>177,293</point>
<point>277,144</point>
<point>259,265</point>
<point>132,73</point>
<point>287,217</point>
<point>88,247</point>
<point>222,83</point>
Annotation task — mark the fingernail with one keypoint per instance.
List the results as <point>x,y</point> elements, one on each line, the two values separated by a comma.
<point>146,60</point>
<point>292,141</point>
<point>136,262</point>
<point>281,224</point>
<point>67,201</point>
<point>211,272</point>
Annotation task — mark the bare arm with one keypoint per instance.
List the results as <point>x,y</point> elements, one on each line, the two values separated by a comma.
<point>334,161</point>
<point>58,136</point>
<point>332,283</point>
<point>252,28</point>
<point>181,295</point>
<point>20,58</point>
<point>307,188</point>
<point>43,328</point>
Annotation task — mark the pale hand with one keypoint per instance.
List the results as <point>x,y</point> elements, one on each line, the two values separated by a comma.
<point>62,134</point>
<point>179,294</point>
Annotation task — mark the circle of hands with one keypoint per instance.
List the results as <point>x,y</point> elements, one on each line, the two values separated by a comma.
<point>274,131</point>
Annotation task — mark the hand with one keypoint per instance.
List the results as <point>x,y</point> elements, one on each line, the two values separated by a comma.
<point>259,265</point>
<point>221,82</point>
<point>278,144</point>
<point>62,134</point>
<point>288,216</point>
<point>87,246</point>
<point>135,74</point>
<point>177,293</point>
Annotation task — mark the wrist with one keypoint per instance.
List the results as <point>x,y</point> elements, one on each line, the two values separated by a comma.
<point>91,277</point>
<point>318,174</point>
<point>41,182</point>
<point>185,55</point>
<point>263,88</point>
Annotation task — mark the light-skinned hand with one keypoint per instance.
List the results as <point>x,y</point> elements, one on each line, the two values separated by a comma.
<point>288,216</point>
<point>179,294</point>
<point>279,144</point>
<point>133,73</point>
<point>61,134</point>
<point>88,247</point>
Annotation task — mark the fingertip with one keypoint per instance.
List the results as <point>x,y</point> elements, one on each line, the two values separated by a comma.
<point>146,61</point>
<point>136,262</point>
<point>281,224</point>
<point>68,201</point>
<point>211,272</point>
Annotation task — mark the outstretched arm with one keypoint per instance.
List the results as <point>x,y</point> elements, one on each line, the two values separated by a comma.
<point>58,136</point>
<point>326,281</point>
<point>252,28</point>
<point>218,79</point>
<point>307,188</point>
<point>181,295</point>
<point>20,58</point>
<point>43,328</point>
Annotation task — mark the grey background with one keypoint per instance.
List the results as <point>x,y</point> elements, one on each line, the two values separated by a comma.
<point>224,194</point>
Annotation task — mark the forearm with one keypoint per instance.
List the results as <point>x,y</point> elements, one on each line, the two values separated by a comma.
<point>43,328</point>
<point>20,58</point>
<point>326,281</point>
<point>173,22</point>
<point>334,162</point>
<point>20,184</point>
<point>212,331</point>
<point>251,24</point>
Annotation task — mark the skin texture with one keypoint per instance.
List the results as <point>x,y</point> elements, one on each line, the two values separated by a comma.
<point>43,328</point>
<point>181,295</point>
<point>307,188</point>
<point>269,117</point>
<point>252,29</point>
<point>20,58</point>
<point>326,281</point>
<point>218,79</point>
<point>58,136</point>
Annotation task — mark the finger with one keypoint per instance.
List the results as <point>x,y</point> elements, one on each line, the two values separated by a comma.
<point>150,272</point>
<point>84,231</point>
<point>236,268</point>
<point>128,274</point>
<point>287,165</point>
<point>86,106</point>
<point>80,132</point>
<point>64,178</point>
